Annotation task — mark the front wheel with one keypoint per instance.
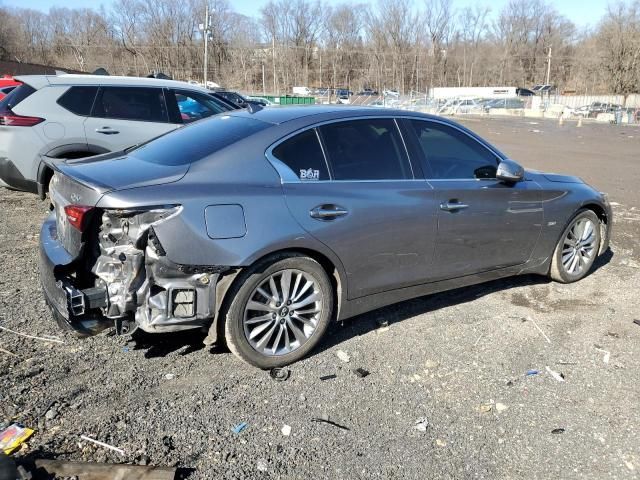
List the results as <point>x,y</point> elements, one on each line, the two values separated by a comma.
<point>279,311</point>
<point>577,248</point>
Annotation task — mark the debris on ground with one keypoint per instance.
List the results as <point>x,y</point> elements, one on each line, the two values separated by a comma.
<point>484,408</point>
<point>501,407</point>
<point>286,430</point>
<point>441,443</point>
<point>331,376</point>
<point>280,374</point>
<point>421,424</point>
<point>170,376</point>
<point>344,356</point>
<point>637,322</point>
<point>12,437</point>
<point>8,352</point>
<point>558,376</point>
<point>102,444</point>
<point>361,372</point>
<point>240,427</point>
<point>531,373</point>
<point>607,354</point>
<point>557,431</point>
<point>325,419</point>
<point>540,330</point>
<point>106,471</point>
<point>43,339</point>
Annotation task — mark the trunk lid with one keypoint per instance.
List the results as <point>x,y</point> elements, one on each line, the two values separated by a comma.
<point>84,181</point>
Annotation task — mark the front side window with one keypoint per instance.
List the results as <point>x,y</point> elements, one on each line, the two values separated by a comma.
<point>303,154</point>
<point>368,149</point>
<point>131,103</point>
<point>453,154</point>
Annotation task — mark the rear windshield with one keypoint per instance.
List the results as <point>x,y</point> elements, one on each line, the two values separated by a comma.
<point>198,140</point>
<point>15,97</point>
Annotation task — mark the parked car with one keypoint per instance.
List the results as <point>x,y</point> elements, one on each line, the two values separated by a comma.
<point>391,93</point>
<point>367,92</point>
<point>74,116</point>
<point>264,227</point>
<point>460,105</point>
<point>4,91</point>
<point>343,92</point>
<point>265,102</point>
<point>508,103</point>
<point>7,84</point>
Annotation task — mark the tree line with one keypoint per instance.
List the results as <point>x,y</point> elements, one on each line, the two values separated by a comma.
<point>393,44</point>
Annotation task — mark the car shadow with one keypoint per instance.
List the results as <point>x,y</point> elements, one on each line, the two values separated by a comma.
<point>162,344</point>
<point>339,332</point>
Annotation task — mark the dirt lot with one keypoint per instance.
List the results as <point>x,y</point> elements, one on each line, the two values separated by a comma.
<point>458,359</point>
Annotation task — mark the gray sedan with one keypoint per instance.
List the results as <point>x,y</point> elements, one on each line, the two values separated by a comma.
<point>263,226</point>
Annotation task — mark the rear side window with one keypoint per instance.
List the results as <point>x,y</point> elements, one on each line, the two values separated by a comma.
<point>197,141</point>
<point>194,106</point>
<point>452,154</point>
<point>131,103</point>
<point>370,149</point>
<point>15,97</point>
<point>78,100</point>
<point>303,154</point>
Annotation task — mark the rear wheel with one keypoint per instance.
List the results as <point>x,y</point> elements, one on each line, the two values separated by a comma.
<point>577,248</point>
<point>279,311</point>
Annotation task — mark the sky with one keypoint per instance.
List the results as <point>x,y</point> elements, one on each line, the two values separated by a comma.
<point>583,13</point>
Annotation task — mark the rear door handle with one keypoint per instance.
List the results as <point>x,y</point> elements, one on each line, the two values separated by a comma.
<point>328,212</point>
<point>107,131</point>
<point>452,206</point>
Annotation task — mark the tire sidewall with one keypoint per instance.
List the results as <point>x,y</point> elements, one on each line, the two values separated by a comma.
<point>234,328</point>
<point>558,267</point>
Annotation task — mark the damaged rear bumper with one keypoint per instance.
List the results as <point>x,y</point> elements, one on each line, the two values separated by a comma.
<point>131,285</point>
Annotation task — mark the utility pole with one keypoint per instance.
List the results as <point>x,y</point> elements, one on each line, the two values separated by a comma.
<point>548,65</point>
<point>205,28</point>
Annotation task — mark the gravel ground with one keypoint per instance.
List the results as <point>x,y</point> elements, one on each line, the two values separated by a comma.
<point>457,359</point>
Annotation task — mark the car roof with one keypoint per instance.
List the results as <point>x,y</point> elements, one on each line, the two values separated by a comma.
<point>39,81</point>
<point>313,112</point>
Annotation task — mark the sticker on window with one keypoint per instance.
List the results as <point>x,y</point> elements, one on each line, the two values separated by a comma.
<point>309,174</point>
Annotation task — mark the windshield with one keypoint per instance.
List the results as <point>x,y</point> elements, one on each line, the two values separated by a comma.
<point>199,140</point>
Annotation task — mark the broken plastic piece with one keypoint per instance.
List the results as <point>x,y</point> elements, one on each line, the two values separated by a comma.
<point>637,322</point>
<point>557,430</point>
<point>328,377</point>
<point>558,376</point>
<point>280,374</point>
<point>361,372</point>
<point>240,427</point>
<point>344,356</point>
<point>532,372</point>
<point>421,424</point>
<point>13,436</point>
<point>329,422</point>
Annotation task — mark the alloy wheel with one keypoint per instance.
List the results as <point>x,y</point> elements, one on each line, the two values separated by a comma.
<point>282,312</point>
<point>578,248</point>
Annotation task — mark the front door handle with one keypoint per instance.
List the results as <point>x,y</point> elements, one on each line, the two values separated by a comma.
<point>327,212</point>
<point>452,206</point>
<point>107,131</point>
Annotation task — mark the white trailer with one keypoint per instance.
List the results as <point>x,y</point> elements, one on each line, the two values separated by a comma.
<point>472,92</point>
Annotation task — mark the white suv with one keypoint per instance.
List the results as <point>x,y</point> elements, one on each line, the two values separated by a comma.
<point>74,116</point>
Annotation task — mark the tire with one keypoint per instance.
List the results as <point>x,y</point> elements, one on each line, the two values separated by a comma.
<point>293,334</point>
<point>581,259</point>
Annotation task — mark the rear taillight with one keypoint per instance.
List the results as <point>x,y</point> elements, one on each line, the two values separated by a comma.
<point>10,119</point>
<point>77,215</point>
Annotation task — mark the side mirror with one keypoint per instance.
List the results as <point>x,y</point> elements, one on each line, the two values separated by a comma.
<point>510,171</point>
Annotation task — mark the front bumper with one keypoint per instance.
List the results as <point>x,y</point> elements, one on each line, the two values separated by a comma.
<point>69,305</point>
